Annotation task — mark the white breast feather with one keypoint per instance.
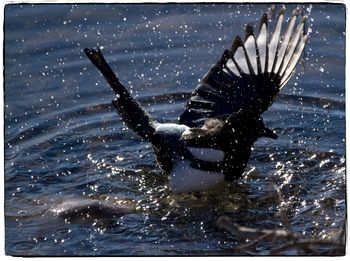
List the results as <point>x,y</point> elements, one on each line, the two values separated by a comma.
<point>183,178</point>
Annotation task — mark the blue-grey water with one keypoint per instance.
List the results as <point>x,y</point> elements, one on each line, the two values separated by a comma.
<point>77,182</point>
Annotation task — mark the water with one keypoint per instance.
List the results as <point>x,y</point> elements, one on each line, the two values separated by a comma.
<point>77,182</point>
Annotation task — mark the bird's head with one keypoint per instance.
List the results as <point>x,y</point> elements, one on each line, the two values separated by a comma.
<point>248,124</point>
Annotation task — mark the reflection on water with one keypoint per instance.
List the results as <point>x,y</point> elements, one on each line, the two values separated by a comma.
<point>77,182</point>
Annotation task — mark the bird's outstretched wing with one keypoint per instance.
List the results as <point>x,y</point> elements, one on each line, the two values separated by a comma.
<point>249,74</point>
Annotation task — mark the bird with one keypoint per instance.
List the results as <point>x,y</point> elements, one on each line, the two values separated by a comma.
<point>212,142</point>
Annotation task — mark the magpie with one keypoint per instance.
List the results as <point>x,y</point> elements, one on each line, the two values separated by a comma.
<point>213,139</point>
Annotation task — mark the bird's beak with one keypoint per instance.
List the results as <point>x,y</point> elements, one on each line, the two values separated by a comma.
<point>269,133</point>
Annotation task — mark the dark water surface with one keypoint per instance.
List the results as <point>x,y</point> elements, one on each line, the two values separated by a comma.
<point>77,182</point>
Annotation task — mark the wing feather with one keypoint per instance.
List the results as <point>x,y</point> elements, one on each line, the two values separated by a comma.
<point>273,45</point>
<point>249,75</point>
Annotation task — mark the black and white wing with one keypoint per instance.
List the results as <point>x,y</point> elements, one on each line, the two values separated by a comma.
<point>249,74</point>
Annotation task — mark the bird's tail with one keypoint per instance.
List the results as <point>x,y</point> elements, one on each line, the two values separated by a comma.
<point>131,112</point>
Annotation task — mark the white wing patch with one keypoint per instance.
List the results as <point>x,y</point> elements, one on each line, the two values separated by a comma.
<point>273,51</point>
<point>277,57</point>
<point>239,56</point>
<point>284,44</point>
<point>262,45</point>
<point>295,59</point>
<point>292,46</point>
<point>251,52</point>
<point>232,67</point>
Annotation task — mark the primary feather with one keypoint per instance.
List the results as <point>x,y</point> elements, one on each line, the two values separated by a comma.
<point>249,74</point>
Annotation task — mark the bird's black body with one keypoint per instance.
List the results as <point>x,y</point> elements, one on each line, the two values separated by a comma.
<point>234,135</point>
<point>223,114</point>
